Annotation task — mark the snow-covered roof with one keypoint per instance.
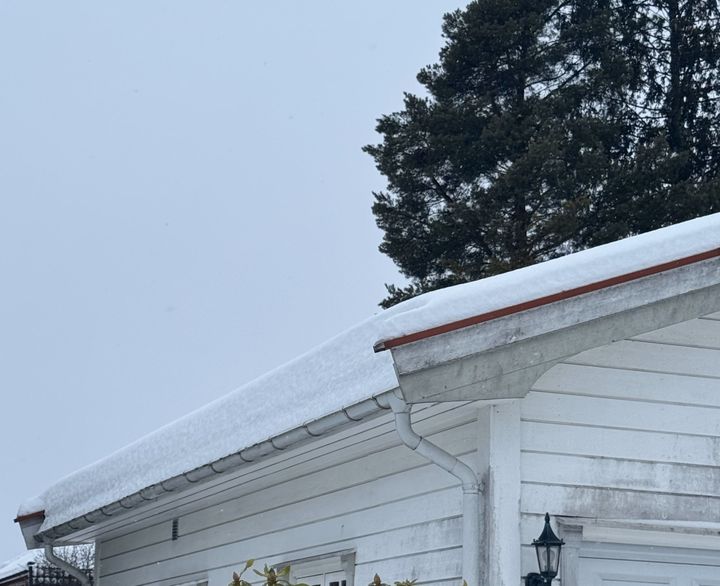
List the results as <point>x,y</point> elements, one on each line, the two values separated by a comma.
<point>573,271</point>
<point>16,565</point>
<point>345,370</point>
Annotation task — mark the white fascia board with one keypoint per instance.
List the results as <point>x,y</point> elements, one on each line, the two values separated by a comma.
<point>29,528</point>
<point>503,358</point>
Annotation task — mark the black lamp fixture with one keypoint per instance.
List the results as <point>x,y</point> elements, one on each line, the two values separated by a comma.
<point>547,548</point>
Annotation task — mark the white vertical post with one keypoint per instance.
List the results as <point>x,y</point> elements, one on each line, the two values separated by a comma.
<point>499,453</point>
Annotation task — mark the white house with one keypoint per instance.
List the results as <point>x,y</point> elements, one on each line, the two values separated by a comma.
<point>587,386</point>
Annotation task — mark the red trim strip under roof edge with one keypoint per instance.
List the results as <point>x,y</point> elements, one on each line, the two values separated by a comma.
<point>35,515</point>
<point>546,300</point>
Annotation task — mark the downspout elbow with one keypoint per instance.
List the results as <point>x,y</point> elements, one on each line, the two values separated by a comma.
<point>77,573</point>
<point>407,434</point>
<point>428,450</point>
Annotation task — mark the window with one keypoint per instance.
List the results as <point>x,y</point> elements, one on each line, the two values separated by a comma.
<point>336,569</point>
<point>324,579</point>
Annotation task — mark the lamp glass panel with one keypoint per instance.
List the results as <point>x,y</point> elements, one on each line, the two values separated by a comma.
<point>548,560</point>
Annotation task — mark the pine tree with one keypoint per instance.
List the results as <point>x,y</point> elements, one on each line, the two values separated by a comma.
<point>673,112</point>
<point>548,126</point>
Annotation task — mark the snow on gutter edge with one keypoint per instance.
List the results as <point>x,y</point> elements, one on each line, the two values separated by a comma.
<point>319,427</point>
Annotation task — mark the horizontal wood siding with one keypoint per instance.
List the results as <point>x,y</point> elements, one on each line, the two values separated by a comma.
<point>399,514</point>
<point>627,431</point>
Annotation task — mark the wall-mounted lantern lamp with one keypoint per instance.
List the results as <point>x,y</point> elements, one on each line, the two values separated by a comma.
<point>547,548</point>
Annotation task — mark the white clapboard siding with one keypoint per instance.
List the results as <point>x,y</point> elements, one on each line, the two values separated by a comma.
<point>290,544</point>
<point>627,431</point>
<point>659,358</point>
<point>347,511</point>
<point>531,524</point>
<point>652,387</point>
<point>619,473</point>
<point>622,414</point>
<point>361,479</point>
<point>441,565</point>
<point>375,545</point>
<point>414,539</point>
<point>389,506</point>
<point>605,503</point>
<point>631,444</point>
<point>701,333</point>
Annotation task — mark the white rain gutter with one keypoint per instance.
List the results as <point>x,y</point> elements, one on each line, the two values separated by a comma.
<point>274,445</point>
<point>66,567</point>
<point>471,487</point>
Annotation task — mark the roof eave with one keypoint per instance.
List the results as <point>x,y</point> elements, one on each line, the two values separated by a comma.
<point>30,524</point>
<point>383,345</point>
<point>502,356</point>
<point>36,535</point>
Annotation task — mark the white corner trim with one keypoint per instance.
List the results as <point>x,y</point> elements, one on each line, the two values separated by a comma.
<point>499,444</point>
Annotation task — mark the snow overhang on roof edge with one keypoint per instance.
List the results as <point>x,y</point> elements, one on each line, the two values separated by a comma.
<point>545,300</point>
<point>295,437</point>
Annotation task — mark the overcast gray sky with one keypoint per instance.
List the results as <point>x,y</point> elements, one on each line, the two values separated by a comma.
<point>184,206</point>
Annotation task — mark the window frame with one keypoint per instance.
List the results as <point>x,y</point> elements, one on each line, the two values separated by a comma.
<point>340,561</point>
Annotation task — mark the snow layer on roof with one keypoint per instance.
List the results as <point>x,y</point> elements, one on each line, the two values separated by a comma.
<point>16,565</point>
<point>554,276</point>
<point>345,371</point>
<point>339,373</point>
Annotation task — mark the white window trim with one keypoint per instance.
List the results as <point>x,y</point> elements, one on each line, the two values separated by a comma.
<point>341,561</point>
<point>646,533</point>
<point>633,539</point>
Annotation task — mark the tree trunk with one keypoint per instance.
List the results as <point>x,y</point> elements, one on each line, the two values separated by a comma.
<point>674,99</point>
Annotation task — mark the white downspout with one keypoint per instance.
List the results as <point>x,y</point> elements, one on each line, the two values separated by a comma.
<point>66,567</point>
<point>471,488</point>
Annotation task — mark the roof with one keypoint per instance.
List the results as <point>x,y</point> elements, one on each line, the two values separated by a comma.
<point>345,370</point>
<point>16,565</point>
<point>574,274</point>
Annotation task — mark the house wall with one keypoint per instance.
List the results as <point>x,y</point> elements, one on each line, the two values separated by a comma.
<point>359,491</point>
<point>627,431</point>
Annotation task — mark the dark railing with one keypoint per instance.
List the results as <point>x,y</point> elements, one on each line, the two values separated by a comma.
<point>50,575</point>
